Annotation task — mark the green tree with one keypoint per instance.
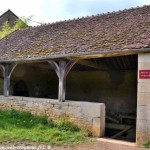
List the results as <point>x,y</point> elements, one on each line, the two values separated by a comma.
<point>20,23</point>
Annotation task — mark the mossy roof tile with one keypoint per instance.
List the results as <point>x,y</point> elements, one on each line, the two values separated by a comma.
<point>127,29</point>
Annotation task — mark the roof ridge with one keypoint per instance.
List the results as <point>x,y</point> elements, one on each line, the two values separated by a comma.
<point>76,19</point>
<point>86,17</point>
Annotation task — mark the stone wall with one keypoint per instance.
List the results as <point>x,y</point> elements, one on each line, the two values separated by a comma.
<point>143,102</point>
<point>84,114</point>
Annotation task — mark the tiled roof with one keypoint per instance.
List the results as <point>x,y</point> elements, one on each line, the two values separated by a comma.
<point>122,30</point>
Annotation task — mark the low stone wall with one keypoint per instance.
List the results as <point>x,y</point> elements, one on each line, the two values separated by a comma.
<point>84,114</point>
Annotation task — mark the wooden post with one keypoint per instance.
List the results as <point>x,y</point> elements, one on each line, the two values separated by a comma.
<point>62,69</point>
<point>62,81</point>
<point>7,71</point>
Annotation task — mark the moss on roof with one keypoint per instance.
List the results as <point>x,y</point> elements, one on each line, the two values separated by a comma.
<point>122,30</point>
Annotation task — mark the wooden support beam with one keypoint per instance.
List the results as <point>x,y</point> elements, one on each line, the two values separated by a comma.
<point>121,132</point>
<point>116,126</point>
<point>92,64</point>
<point>7,71</point>
<point>112,119</point>
<point>62,81</point>
<point>62,69</point>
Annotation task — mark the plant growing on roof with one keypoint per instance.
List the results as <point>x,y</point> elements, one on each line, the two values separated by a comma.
<point>20,23</point>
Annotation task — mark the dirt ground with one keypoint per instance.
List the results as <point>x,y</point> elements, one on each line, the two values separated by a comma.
<point>99,145</point>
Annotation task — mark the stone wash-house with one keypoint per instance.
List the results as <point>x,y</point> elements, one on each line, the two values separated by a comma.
<point>8,16</point>
<point>81,68</point>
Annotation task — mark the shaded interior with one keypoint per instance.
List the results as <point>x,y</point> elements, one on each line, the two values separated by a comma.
<point>111,80</point>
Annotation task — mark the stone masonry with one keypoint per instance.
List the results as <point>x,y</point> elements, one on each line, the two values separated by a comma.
<point>84,114</point>
<point>143,102</point>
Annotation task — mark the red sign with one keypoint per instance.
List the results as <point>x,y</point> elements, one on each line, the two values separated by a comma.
<point>144,74</point>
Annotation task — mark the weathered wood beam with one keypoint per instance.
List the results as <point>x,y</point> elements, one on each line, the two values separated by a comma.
<point>62,81</point>
<point>121,132</point>
<point>62,69</point>
<point>112,119</point>
<point>7,70</point>
<point>54,66</point>
<point>69,66</point>
<point>116,126</point>
<point>92,64</point>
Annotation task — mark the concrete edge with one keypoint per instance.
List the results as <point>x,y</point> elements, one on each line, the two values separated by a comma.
<point>126,143</point>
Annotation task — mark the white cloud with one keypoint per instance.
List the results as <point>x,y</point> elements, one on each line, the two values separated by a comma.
<point>55,10</point>
<point>144,2</point>
<point>24,8</point>
<point>68,9</point>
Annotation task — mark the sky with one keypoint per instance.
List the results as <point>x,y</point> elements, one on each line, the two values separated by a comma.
<point>48,11</point>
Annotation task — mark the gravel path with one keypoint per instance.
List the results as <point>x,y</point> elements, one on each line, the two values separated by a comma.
<point>100,145</point>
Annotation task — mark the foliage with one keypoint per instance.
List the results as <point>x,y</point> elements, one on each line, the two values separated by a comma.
<point>65,125</point>
<point>146,144</point>
<point>22,119</point>
<point>18,126</point>
<point>20,23</point>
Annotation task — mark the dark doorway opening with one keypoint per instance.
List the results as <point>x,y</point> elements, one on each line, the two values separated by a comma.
<point>20,89</point>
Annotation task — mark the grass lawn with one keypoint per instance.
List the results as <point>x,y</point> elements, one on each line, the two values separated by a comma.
<point>23,126</point>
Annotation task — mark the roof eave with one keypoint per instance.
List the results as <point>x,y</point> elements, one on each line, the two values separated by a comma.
<point>81,55</point>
